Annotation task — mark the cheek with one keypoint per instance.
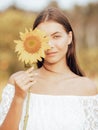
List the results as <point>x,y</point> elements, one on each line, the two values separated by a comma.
<point>61,44</point>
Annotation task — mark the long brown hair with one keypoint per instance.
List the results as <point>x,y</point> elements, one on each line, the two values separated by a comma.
<point>56,15</point>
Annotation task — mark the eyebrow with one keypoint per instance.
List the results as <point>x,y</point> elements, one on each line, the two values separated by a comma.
<point>54,33</point>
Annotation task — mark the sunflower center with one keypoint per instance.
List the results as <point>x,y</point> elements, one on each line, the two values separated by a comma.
<point>32,44</point>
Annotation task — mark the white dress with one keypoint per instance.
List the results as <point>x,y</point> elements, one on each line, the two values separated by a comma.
<point>55,112</point>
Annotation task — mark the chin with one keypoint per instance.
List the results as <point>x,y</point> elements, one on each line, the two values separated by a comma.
<point>54,60</point>
<point>51,61</point>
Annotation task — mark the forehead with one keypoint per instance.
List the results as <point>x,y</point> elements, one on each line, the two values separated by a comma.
<point>51,27</point>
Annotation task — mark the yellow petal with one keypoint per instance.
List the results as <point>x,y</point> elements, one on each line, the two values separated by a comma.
<point>39,53</point>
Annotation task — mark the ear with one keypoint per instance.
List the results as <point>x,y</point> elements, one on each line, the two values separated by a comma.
<point>69,37</point>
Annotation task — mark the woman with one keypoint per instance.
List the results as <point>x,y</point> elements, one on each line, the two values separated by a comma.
<point>61,97</point>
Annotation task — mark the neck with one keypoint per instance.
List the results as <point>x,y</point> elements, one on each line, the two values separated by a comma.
<point>56,69</point>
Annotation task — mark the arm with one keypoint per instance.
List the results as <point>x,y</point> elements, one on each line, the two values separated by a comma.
<point>12,119</point>
<point>13,116</point>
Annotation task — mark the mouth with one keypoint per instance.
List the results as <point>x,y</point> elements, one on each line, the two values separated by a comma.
<point>51,53</point>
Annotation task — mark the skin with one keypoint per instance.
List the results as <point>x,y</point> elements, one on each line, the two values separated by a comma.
<point>62,81</point>
<point>53,78</point>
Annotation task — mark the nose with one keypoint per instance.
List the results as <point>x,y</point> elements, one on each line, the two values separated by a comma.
<point>51,44</point>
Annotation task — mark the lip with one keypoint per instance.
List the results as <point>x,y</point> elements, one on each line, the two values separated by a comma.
<point>51,53</point>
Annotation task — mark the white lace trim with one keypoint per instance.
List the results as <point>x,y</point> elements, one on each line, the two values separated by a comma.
<point>90,106</point>
<point>7,96</point>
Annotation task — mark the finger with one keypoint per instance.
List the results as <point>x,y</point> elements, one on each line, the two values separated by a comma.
<point>21,77</point>
<point>29,85</point>
<point>18,74</point>
<point>24,85</point>
<point>30,70</point>
<point>32,74</point>
<point>26,81</point>
<point>25,78</point>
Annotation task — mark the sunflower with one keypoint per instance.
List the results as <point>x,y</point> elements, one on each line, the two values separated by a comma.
<point>32,46</point>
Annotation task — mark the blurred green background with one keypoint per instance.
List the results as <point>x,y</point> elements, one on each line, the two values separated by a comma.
<point>84,20</point>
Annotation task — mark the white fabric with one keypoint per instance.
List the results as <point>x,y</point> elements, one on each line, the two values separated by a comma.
<point>49,112</point>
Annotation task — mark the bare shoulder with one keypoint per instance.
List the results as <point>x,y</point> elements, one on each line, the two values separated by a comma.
<point>88,86</point>
<point>11,78</point>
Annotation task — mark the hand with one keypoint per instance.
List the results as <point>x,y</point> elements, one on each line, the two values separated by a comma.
<point>23,80</point>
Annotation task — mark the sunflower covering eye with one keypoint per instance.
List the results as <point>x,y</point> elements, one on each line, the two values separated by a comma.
<point>32,46</point>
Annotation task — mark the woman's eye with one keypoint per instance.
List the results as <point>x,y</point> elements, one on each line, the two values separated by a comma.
<point>57,36</point>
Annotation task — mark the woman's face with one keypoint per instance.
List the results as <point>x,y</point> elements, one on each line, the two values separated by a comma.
<point>59,41</point>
